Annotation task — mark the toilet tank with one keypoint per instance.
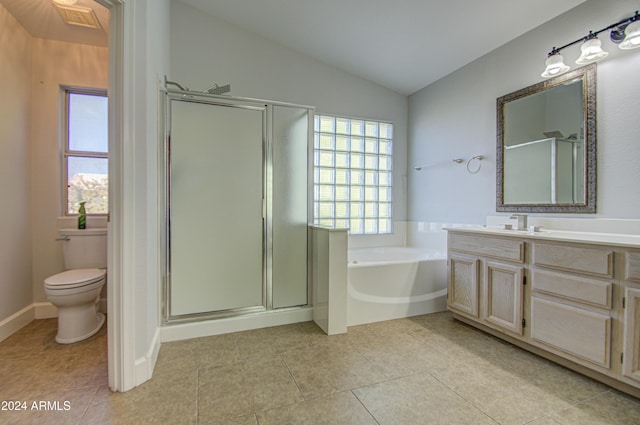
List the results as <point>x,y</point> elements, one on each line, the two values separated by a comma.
<point>84,248</point>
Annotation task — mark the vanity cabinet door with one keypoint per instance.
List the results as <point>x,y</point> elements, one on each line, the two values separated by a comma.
<point>503,296</point>
<point>575,332</point>
<point>463,284</point>
<point>631,349</point>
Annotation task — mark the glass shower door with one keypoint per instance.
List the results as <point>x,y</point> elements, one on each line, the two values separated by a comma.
<point>216,207</point>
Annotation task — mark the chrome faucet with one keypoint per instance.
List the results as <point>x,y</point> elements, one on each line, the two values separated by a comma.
<point>522,220</point>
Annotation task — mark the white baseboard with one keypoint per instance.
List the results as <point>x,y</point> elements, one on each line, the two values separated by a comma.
<point>180,331</point>
<point>144,366</point>
<point>40,310</point>
<point>16,321</point>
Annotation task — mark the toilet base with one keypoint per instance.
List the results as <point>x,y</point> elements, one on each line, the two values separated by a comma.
<point>69,333</point>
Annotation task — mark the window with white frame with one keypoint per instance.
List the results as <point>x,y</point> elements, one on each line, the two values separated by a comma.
<point>86,151</point>
<point>352,174</point>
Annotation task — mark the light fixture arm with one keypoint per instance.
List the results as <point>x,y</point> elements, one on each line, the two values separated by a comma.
<point>594,34</point>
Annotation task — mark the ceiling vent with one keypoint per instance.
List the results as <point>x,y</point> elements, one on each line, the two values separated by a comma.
<point>78,15</point>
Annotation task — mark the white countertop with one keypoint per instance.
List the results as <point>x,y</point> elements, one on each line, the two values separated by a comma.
<point>613,239</point>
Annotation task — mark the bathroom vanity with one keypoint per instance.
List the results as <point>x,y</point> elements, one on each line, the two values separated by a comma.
<point>571,297</point>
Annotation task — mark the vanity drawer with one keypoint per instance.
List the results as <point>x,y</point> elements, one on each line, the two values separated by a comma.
<point>503,249</point>
<point>580,333</point>
<point>577,259</point>
<point>632,266</point>
<point>574,288</point>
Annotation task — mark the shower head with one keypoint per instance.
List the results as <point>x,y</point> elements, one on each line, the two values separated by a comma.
<point>173,83</point>
<point>216,89</point>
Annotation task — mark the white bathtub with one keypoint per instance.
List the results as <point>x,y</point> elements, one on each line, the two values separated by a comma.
<point>395,282</point>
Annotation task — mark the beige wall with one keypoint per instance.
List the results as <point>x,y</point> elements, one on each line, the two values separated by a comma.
<point>15,232</point>
<point>55,64</point>
<point>32,72</point>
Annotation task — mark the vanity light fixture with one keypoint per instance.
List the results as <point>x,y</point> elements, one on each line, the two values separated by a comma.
<point>632,35</point>
<point>555,65</point>
<point>591,50</point>
<point>625,33</point>
<point>66,2</point>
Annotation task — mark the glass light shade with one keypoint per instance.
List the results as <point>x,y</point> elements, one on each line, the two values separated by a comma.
<point>555,66</point>
<point>591,52</point>
<point>66,2</point>
<point>632,36</point>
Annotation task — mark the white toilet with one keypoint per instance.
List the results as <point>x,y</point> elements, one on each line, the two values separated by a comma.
<point>76,292</point>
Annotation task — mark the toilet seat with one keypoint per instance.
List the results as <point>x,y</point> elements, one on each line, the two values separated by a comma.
<point>76,278</point>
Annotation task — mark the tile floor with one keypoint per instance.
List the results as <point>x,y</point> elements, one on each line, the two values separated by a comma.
<point>423,370</point>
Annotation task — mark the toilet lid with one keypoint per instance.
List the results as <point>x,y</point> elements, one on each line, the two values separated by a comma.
<point>74,278</point>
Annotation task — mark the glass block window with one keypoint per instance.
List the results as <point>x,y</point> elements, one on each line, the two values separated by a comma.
<point>352,174</point>
<point>85,154</point>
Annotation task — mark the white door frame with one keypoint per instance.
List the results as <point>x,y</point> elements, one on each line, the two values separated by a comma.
<point>120,280</point>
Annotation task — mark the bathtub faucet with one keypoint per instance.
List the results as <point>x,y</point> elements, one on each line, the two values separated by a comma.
<point>522,220</point>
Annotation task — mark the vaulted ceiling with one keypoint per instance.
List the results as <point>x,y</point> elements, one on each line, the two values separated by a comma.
<point>404,45</point>
<point>400,44</point>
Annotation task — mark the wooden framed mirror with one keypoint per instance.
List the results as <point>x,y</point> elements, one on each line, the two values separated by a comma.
<point>546,146</point>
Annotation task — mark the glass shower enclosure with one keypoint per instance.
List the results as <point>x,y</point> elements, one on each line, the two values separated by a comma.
<point>236,195</point>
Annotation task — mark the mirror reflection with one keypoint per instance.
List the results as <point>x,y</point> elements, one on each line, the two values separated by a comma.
<point>545,167</point>
<point>546,140</point>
